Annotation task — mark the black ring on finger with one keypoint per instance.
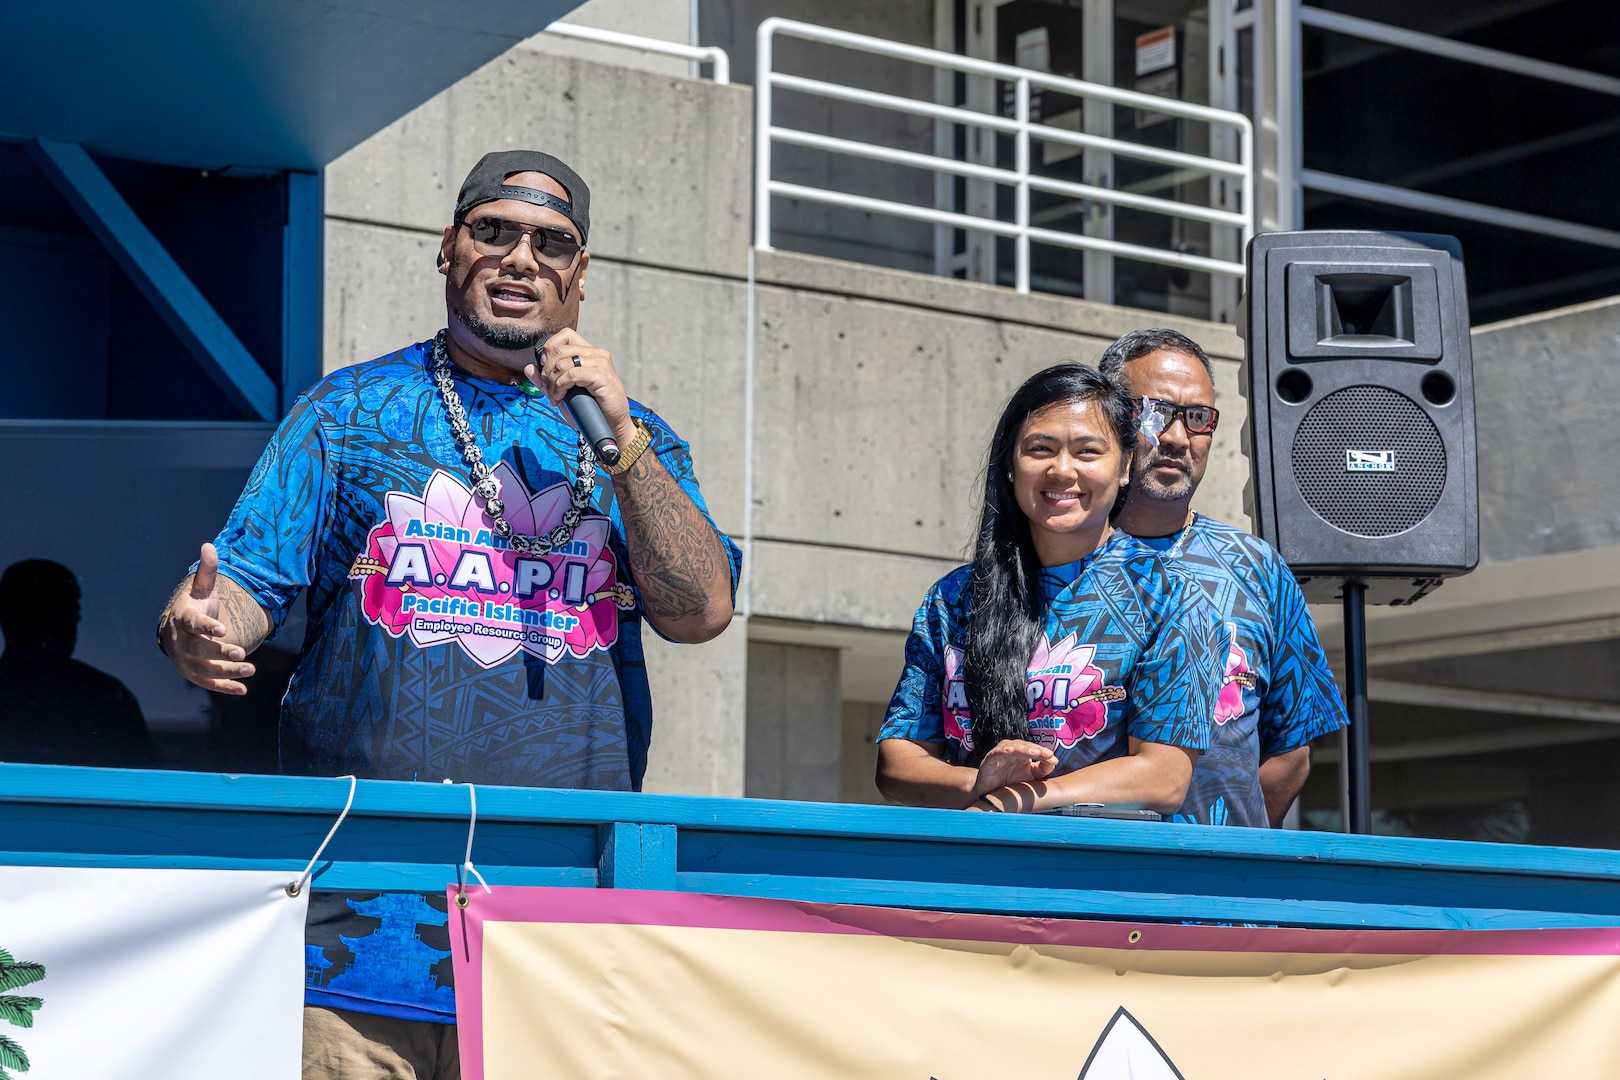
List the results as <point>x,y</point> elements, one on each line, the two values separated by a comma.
<point>578,362</point>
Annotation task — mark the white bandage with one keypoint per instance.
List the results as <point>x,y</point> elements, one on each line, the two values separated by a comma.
<point>1150,420</point>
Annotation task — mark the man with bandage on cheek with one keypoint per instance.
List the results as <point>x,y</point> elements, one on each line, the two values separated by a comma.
<point>1277,692</point>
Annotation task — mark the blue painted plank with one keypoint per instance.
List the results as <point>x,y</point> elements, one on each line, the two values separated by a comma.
<point>142,831</point>
<point>658,851</point>
<point>636,856</point>
<point>1142,907</point>
<point>860,833</point>
<point>302,279</point>
<point>620,850</point>
<point>149,831</point>
<point>358,876</point>
<point>981,863</point>
<point>159,278</point>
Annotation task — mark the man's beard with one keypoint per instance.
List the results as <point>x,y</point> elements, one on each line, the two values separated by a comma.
<point>496,335</point>
<point>1145,481</point>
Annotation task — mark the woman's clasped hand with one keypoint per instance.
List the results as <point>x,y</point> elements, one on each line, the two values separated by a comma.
<point>1010,765</point>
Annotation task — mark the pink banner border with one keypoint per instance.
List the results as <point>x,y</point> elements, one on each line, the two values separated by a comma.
<point>648,908</point>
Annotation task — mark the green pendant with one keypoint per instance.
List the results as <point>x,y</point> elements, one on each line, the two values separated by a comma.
<point>529,388</point>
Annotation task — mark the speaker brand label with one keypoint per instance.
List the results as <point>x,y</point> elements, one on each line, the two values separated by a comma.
<point>1369,461</point>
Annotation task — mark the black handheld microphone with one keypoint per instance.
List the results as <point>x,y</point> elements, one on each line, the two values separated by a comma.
<point>588,418</point>
<point>592,424</point>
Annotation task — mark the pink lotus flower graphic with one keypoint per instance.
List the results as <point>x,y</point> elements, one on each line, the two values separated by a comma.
<point>1067,698</point>
<point>1238,678</point>
<point>435,571</point>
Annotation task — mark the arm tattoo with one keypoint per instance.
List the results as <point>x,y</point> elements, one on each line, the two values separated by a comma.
<point>675,556</point>
<point>238,610</point>
<point>246,619</point>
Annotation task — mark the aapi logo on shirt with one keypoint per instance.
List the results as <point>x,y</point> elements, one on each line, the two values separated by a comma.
<point>1065,693</point>
<point>1067,699</point>
<point>436,572</point>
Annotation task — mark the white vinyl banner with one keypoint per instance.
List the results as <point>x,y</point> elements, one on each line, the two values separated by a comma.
<point>119,974</point>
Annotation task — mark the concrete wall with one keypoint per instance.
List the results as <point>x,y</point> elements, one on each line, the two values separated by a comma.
<point>795,723</point>
<point>666,20</point>
<point>1545,392</point>
<point>876,394</point>
<point>875,390</point>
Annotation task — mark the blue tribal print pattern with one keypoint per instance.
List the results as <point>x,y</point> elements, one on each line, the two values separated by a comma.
<point>1129,649</point>
<point>385,693</point>
<point>1277,691</point>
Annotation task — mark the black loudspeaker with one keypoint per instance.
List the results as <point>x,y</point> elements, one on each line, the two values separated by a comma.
<point>1360,435</point>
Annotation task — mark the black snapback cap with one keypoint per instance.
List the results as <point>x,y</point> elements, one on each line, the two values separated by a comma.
<point>487,182</point>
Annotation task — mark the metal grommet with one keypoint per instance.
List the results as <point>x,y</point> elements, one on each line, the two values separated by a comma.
<point>293,889</point>
<point>1134,936</point>
<point>461,900</point>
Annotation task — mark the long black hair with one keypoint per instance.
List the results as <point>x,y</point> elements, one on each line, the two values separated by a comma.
<point>1008,608</point>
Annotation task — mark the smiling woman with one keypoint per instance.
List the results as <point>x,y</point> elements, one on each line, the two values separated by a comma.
<point>1065,664</point>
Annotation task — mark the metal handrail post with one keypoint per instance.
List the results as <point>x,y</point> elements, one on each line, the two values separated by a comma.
<point>1290,121</point>
<point>1021,196</point>
<point>1247,201</point>
<point>762,133</point>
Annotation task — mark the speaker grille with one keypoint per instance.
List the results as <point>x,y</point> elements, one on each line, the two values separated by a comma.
<point>1370,419</point>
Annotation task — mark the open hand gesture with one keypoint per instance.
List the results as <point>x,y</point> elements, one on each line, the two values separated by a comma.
<point>196,640</point>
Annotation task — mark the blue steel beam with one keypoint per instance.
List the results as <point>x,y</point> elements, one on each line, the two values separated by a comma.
<point>159,278</point>
<point>301,277</point>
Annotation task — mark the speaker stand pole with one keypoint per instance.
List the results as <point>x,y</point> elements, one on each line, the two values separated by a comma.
<point>1355,687</point>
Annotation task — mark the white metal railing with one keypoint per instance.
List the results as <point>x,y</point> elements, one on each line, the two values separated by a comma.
<point>1019,177</point>
<point>1295,176</point>
<point>698,54</point>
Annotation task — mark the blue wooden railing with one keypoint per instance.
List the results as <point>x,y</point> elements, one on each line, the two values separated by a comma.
<point>413,836</point>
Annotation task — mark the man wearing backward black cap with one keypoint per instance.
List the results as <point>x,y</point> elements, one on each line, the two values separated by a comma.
<point>476,583</point>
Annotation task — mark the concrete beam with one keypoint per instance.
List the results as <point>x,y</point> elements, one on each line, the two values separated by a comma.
<point>1485,742</point>
<point>952,296</point>
<point>870,661</point>
<point>1528,603</point>
<point>159,278</point>
<point>1492,701</point>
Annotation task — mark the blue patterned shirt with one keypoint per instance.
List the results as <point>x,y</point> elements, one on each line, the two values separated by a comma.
<point>1277,692</point>
<point>433,649</point>
<point>1128,649</point>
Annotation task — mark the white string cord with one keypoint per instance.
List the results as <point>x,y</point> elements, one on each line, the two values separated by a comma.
<point>296,887</point>
<point>467,863</point>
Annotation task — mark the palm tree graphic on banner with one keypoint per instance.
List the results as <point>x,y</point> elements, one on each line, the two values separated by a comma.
<point>15,1009</point>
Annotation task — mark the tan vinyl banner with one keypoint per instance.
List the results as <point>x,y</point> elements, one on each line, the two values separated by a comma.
<point>582,983</point>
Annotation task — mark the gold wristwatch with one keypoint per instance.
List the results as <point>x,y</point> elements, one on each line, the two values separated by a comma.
<point>629,454</point>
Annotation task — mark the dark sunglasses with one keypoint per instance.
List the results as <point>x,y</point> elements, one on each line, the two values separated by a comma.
<point>497,237</point>
<point>1199,419</point>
